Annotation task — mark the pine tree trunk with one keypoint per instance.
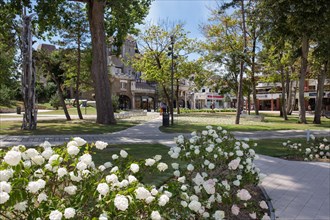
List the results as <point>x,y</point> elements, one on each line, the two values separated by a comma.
<point>320,90</point>
<point>78,78</point>
<point>104,109</point>
<point>302,77</point>
<point>240,87</point>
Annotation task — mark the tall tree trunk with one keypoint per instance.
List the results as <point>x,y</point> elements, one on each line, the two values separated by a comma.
<point>78,77</point>
<point>240,87</point>
<point>288,90</point>
<point>28,77</point>
<point>302,77</point>
<point>249,102</point>
<point>253,79</point>
<point>320,90</point>
<point>283,106</point>
<point>177,96</point>
<point>60,94</point>
<point>104,109</point>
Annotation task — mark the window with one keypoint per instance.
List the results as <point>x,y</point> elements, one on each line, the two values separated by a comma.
<point>123,85</point>
<point>203,90</point>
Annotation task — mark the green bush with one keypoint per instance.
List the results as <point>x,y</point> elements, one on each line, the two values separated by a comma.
<point>55,101</point>
<point>6,95</point>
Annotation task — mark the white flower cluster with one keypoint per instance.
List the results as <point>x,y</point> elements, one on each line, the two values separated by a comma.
<point>316,148</point>
<point>217,165</point>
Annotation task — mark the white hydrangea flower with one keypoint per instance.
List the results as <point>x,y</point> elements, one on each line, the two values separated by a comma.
<point>149,162</point>
<point>55,215</point>
<point>195,206</point>
<point>47,153</point>
<point>265,217</point>
<point>31,152</point>
<point>204,133</point>
<point>61,172</point>
<point>86,158</point>
<point>123,154</point>
<point>27,163</point>
<point>53,158</point>
<point>154,192</point>
<point>243,194</point>
<point>211,166</point>
<point>155,215</point>
<point>149,199</point>
<point>158,157</point>
<point>35,186</point>
<point>21,206</point>
<point>45,145</point>
<point>101,168</point>
<point>114,156</point>
<point>190,167</point>
<point>263,205</point>
<point>4,197</point>
<point>71,190</point>
<point>162,167</point>
<point>42,197</point>
<point>176,173</point>
<point>234,164</point>
<point>81,165</point>
<point>175,166</point>
<point>102,188</point>
<point>134,168</point>
<point>69,213</point>
<point>196,151</point>
<point>12,157</point>
<point>182,179</point>
<point>235,209</point>
<point>184,203</point>
<point>114,169</point>
<point>103,216</point>
<point>121,202</point>
<point>5,187</point>
<point>79,141</point>
<point>239,153</point>
<point>163,199</point>
<point>209,186</point>
<point>142,193</point>
<point>101,145</point>
<point>219,215</point>
<point>107,164</point>
<point>73,149</point>
<point>75,178</point>
<point>253,215</point>
<point>236,182</point>
<point>132,179</point>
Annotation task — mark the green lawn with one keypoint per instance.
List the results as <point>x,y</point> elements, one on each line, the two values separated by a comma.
<point>72,111</point>
<point>51,127</point>
<point>275,148</point>
<point>189,122</point>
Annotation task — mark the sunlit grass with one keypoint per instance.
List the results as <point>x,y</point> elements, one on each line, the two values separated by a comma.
<point>197,121</point>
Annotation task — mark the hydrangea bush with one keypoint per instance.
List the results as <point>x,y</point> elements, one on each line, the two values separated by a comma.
<point>314,149</point>
<point>212,176</point>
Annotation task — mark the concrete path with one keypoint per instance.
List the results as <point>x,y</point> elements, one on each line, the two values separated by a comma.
<point>299,190</point>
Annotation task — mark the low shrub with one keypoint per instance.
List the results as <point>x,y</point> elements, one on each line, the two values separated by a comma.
<point>211,180</point>
<point>314,149</point>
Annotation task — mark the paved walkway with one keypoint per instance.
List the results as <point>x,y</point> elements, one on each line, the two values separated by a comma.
<point>299,190</point>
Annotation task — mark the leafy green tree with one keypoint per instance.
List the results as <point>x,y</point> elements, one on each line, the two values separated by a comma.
<point>296,21</point>
<point>107,18</point>
<point>155,62</point>
<point>74,34</point>
<point>51,63</point>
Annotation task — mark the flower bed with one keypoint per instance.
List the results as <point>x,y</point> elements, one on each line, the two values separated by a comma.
<point>315,149</point>
<point>214,178</point>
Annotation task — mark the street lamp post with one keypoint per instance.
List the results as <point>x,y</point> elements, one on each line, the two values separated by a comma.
<point>172,77</point>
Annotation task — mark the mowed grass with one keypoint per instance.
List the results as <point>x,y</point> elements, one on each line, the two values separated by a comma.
<point>72,111</point>
<point>189,122</point>
<point>57,127</point>
<point>275,148</point>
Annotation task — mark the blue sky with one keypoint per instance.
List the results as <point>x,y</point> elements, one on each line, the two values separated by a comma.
<point>192,12</point>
